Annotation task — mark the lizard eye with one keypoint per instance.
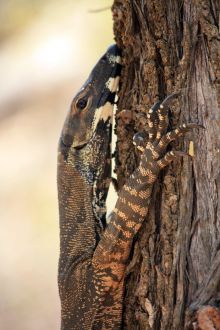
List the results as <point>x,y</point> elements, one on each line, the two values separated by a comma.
<point>81,104</point>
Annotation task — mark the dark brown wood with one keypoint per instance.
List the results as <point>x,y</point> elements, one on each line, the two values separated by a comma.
<point>175,264</point>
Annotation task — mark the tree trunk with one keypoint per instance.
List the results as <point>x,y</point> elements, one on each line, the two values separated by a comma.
<point>175,263</point>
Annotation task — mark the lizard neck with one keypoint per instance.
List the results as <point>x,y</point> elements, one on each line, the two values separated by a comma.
<point>76,214</point>
<point>83,177</point>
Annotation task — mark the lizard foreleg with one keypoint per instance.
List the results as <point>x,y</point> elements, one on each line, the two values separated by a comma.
<point>111,255</point>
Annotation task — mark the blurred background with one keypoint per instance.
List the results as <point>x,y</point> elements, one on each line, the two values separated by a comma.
<point>47,49</point>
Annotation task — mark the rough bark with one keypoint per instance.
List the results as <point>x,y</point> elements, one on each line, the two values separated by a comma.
<point>175,264</point>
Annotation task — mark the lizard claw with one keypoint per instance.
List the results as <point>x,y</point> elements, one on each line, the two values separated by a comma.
<point>161,146</point>
<point>169,157</point>
<point>158,118</point>
<point>159,138</point>
<point>190,126</point>
<point>169,98</point>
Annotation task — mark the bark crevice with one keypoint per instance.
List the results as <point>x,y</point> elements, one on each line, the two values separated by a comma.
<point>173,46</point>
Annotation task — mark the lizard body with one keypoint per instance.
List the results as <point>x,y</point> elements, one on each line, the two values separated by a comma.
<point>93,256</point>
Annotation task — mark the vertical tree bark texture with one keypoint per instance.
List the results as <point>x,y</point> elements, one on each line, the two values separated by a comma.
<point>174,271</point>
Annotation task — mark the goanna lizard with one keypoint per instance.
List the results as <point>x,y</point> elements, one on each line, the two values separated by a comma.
<point>93,255</point>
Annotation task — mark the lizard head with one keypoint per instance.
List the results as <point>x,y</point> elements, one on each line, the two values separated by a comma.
<point>94,101</point>
<point>85,142</point>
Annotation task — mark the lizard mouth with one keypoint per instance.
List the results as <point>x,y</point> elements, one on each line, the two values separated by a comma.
<point>80,146</point>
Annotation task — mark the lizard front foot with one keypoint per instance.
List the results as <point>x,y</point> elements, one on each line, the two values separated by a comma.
<point>154,155</point>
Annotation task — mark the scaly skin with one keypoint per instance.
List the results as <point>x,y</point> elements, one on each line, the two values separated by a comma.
<point>93,258</point>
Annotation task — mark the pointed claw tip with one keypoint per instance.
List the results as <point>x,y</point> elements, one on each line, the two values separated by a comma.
<point>170,98</point>
<point>199,126</point>
<point>175,94</point>
<point>194,125</point>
